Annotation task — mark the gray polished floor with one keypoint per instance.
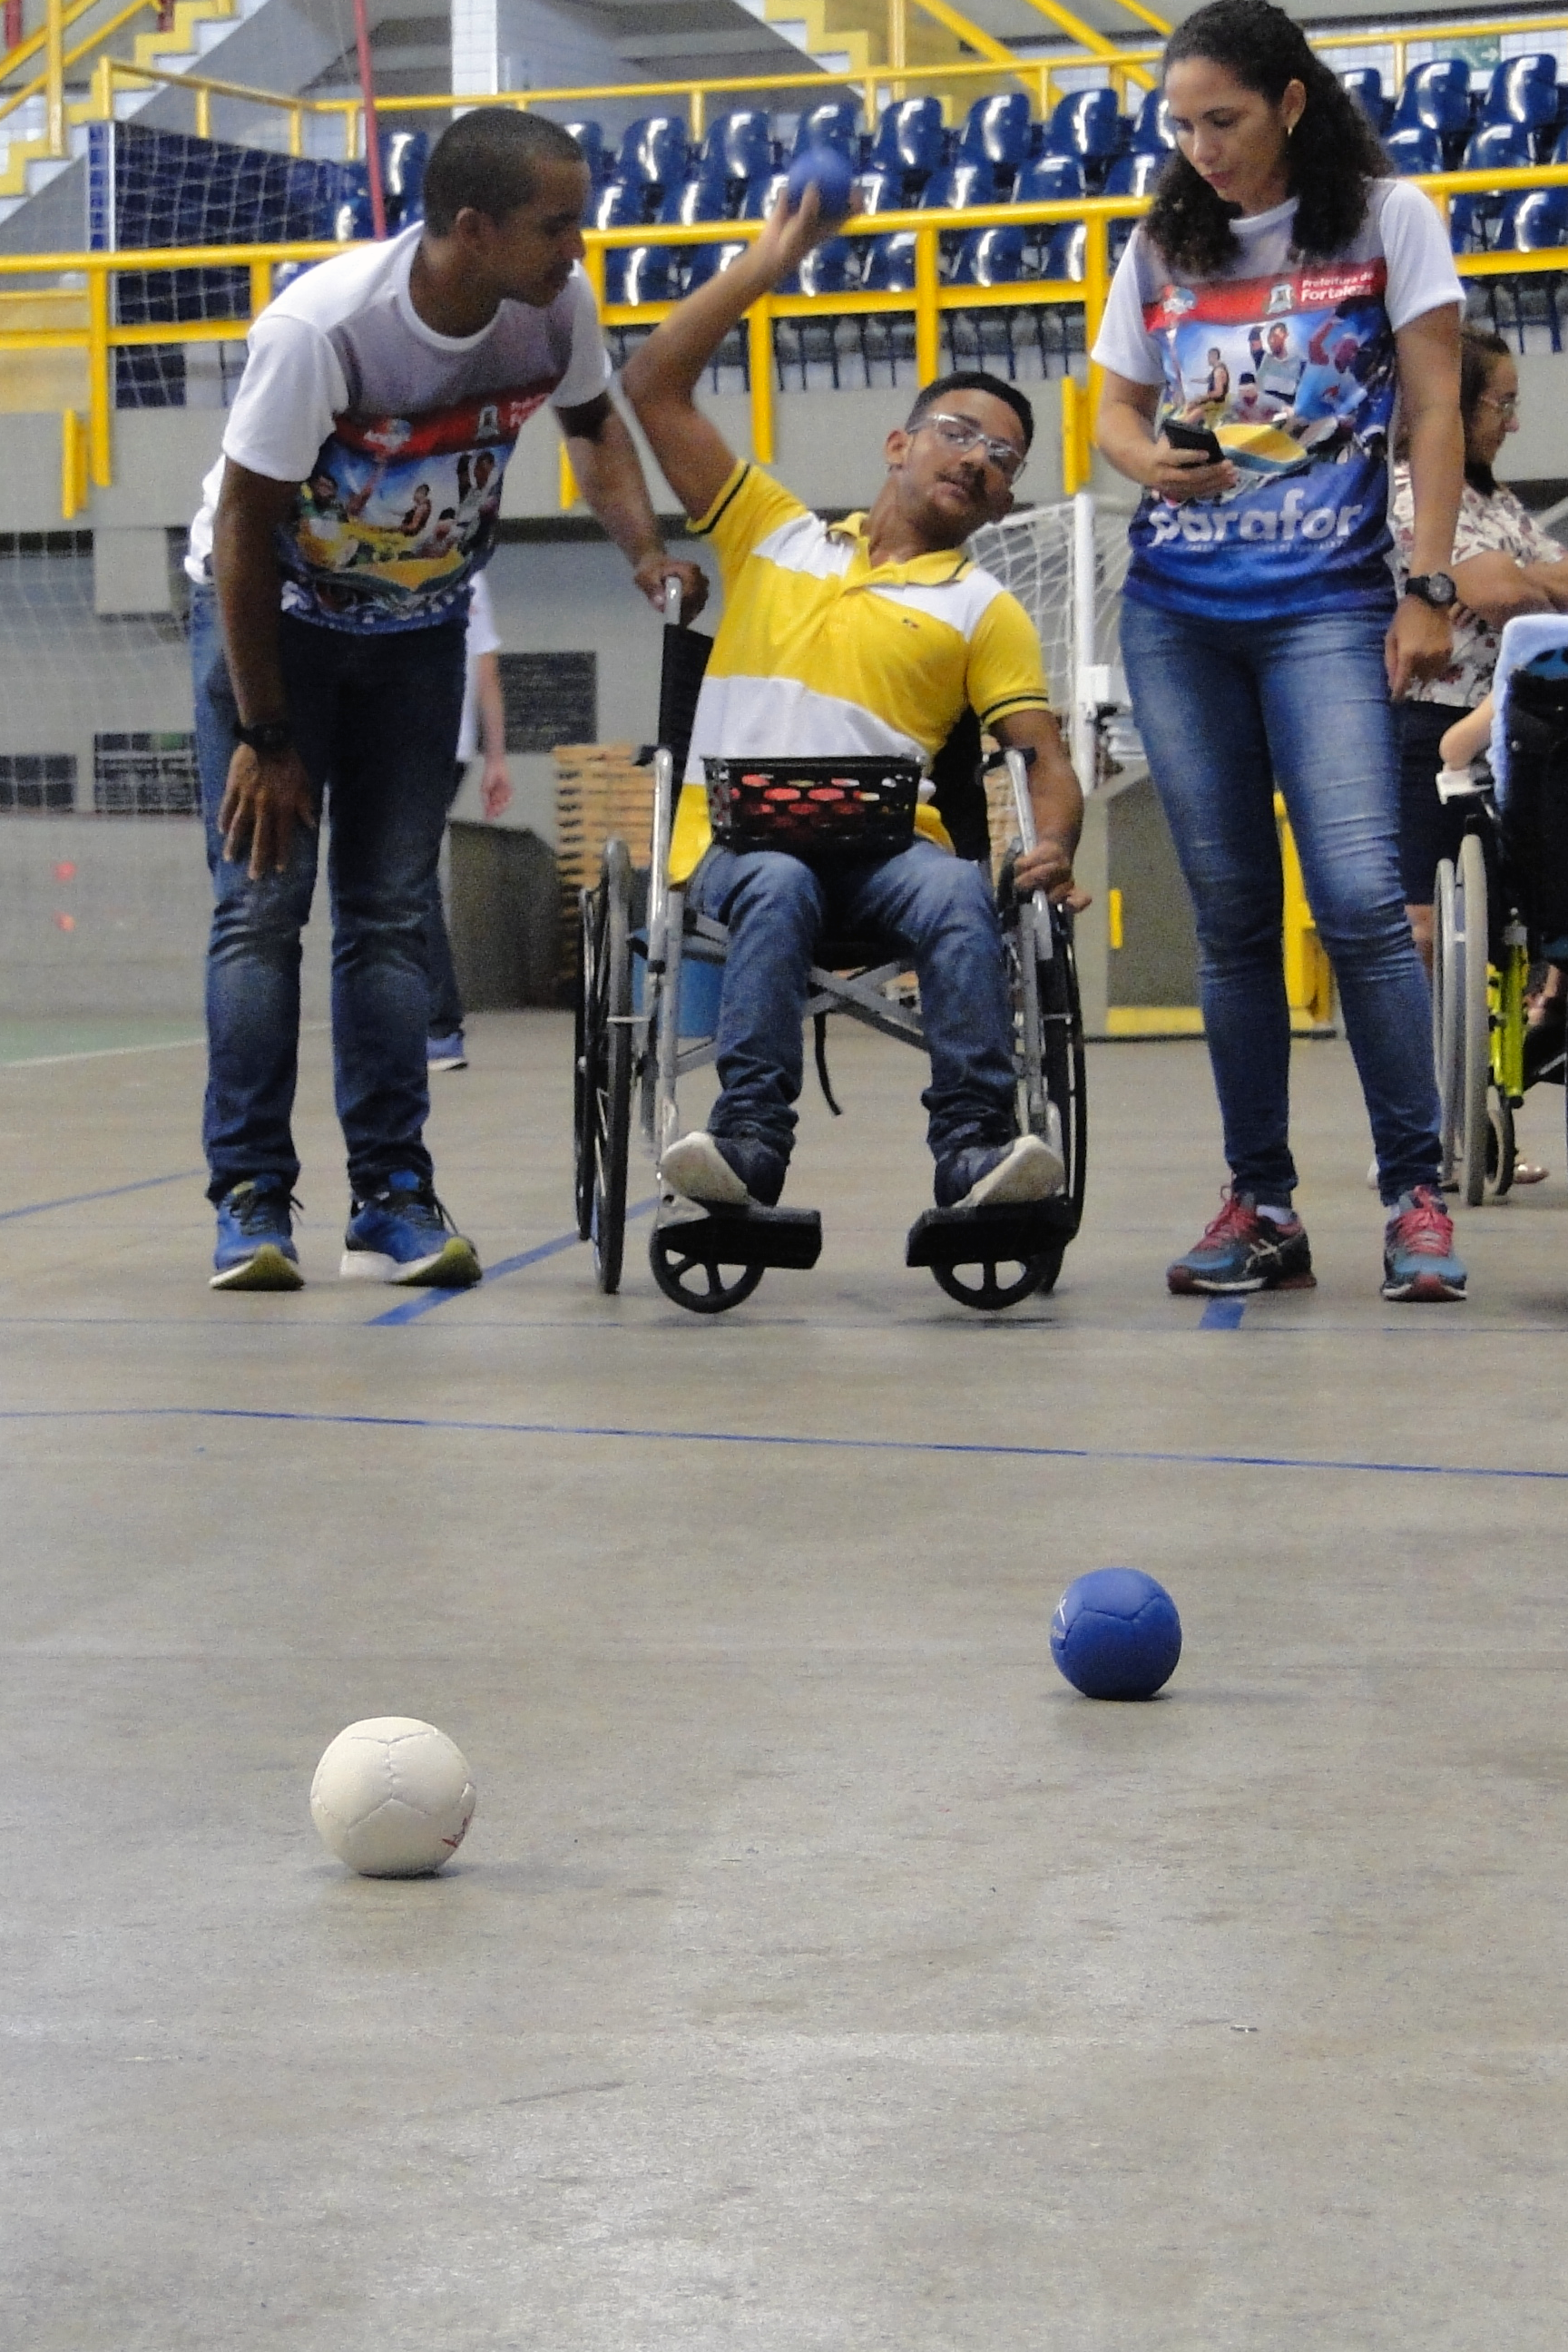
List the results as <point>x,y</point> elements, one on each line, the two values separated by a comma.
<point>821,1974</point>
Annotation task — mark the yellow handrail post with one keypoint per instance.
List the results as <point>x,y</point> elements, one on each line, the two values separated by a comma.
<point>55,75</point>
<point>295,130</point>
<point>868,98</point>
<point>898,43</point>
<point>1071,396</point>
<point>97,386</point>
<point>260,287</point>
<point>928,339</point>
<point>697,104</point>
<point>569,491</point>
<point>73,464</point>
<point>1095,289</point>
<point>103,89</point>
<point>203,114</point>
<point>760,342</point>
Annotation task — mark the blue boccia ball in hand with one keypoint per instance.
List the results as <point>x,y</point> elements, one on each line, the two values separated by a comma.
<point>1116,1634</point>
<point>829,171</point>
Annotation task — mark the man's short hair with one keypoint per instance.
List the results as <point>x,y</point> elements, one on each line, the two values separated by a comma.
<point>489,161</point>
<point>978,380</point>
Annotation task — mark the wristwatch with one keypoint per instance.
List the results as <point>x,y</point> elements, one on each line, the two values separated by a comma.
<point>1434,588</point>
<point>268,736</point>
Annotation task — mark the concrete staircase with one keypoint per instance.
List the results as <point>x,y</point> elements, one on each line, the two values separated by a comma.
<point>25,165</point>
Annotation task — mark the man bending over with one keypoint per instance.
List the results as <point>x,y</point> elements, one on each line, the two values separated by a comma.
<point>862,638</point>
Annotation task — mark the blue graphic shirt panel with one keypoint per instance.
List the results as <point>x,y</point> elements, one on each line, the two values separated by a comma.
<point>1296,376</point>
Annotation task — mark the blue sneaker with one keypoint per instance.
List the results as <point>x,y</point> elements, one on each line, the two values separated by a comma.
<point>995,1175</point>
<point>402,1234</point>
<point>1419,1261</point>
<point>447,1052</point>
<point>256,1238</point>
<point>1241,1250</point>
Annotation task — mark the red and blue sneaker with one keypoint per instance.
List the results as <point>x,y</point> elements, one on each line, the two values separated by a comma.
<point>1419,1260</point>
<point>1244,1251</point>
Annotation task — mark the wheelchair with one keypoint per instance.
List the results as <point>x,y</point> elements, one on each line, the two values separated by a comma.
<point>645,1015</point>
<point>1500,904</point>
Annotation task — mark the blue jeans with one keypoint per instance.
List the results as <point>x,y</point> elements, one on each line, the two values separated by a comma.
<point>376,720</point>
<point>1225,712</point>
<point>935,908</point>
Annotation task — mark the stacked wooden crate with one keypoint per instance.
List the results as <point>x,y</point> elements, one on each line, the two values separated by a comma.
<point>601,794</point>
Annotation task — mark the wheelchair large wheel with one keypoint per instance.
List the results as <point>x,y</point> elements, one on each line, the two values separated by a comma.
<point>1062,1054</point>
<point>581,1091</point>
<point>1472,1132</point>
<point>699,1283</point>
<point>604,1087</point>
<point>1502,1149</point>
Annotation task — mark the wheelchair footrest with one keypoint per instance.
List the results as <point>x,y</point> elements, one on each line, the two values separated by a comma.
<point>1020,1230</point>
<point>790,1238</point>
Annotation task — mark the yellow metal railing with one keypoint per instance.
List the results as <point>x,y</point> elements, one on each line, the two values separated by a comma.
<point>1127,67</point>
<point>90,328</point>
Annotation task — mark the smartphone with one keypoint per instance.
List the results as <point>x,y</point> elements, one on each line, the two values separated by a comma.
<point>1194,436</point>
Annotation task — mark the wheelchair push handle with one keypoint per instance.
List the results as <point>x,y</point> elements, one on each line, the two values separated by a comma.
<point>672,602</point>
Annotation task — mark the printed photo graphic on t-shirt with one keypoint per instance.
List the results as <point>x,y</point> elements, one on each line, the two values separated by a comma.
<point>1295,376</point>
<point>399,513</point>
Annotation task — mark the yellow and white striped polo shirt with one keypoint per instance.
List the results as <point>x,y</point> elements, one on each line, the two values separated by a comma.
<point>820,651</point>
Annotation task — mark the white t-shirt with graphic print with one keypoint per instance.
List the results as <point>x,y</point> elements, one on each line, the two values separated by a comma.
<point>398,436</point>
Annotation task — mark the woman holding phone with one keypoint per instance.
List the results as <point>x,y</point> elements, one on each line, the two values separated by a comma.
<point>1262,637</point>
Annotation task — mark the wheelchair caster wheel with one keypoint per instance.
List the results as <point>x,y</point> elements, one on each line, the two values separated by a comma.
<point>979,1286</point>
<point>692,1278</point>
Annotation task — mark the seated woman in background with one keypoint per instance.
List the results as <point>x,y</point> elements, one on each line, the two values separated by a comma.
<point>1504,563</point>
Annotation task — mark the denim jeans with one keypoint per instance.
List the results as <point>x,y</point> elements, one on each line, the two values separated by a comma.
<point>446,1015</point>
<point>376,720</point>
<point>1225,712</point>
<point>935,908</point>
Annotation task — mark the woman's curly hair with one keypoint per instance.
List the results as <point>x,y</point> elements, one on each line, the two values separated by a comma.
<point>1331,160</point>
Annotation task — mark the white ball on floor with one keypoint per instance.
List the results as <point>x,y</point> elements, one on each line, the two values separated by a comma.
<point>393,1797</point>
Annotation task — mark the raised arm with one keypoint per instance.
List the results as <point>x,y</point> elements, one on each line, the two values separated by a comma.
<point>663,373</point>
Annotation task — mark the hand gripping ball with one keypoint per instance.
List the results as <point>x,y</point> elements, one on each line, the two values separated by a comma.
<point>830,173</point>
<point>393,1797</point>
<point>1116,1634</point>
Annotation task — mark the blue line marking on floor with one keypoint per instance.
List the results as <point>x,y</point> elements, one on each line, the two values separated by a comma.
<point>1221,1315</point>
<point>111,1192</point>
<point>802,1443</point>
<point>425,1301</point>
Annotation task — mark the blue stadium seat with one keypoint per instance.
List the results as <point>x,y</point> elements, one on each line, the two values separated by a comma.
<point>1364,84</point>
<point>1133,175</point>
<point>1473,221</point>
<point>1534,220</point>
<point>639,273</point>
<point>707,260</point>
<point>1436,96</point>
<point>1522,90</point>
<point>1050,180</point>
<point>762,195</point>
<point>957,186</point>
<point>1086,123</point>
<point>879,192</point>
<point>1413,149</point>
<point>1152,133</point>
<point>653,152</point>
<point>909,142</point>
<point>1064,251</point>
<point>615,205</point>
<point>890,264</point>
<point>739,147</point>
<point>403,156</point>
<point>835,123</point>
<point>999,131</point>
<point>591,140</point>
<point>828,268</point>
<point>991,257</point>
<point>704,198</point>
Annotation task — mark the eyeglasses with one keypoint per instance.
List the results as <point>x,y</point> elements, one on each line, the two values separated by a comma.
<point>961,432</point>
<point>1508,406</point>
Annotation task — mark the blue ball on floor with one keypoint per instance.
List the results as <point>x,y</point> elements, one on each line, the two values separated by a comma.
<point>832,176</point>
<point>1116,1634</point>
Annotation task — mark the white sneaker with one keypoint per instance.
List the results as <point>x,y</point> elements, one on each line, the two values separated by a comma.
<point>1029,1170</point>
<point>697,1170</point>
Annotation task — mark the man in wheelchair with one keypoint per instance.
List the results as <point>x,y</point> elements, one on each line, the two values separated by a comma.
<point>865,638</point>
